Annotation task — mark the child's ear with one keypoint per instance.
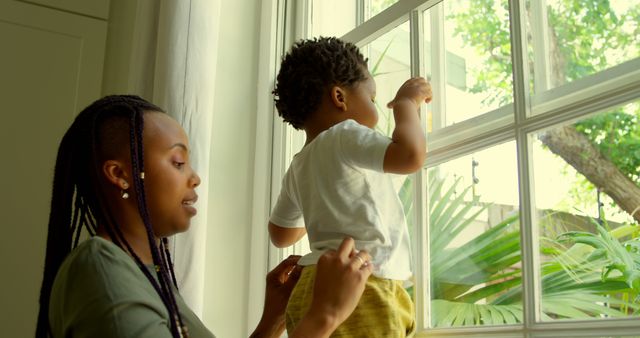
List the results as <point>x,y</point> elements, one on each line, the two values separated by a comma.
<point>338,97</point>
<point>116,173</point>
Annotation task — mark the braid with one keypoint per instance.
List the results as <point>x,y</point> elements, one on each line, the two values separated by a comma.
<point>92,227</point>
<point>58,240</point>
<point>167,260</point>
<point>137,163</point>
<point>79,200</point>
<point>76,223</point>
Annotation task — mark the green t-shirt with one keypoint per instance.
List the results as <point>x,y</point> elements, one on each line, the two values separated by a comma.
<point>99,291</point>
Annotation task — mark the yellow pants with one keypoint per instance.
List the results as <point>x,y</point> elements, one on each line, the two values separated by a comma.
<point>385,309</point>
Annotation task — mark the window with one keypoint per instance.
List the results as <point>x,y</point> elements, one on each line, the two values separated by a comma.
<point>530,195</point>
<point>474,84</point>
<point>582,210</point>
<point>474,238</point>
<point>388,59</point>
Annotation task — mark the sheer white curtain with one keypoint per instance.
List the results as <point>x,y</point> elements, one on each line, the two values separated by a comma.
<point>184,82</point>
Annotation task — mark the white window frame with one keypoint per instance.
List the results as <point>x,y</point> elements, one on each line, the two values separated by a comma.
<point>275,143</point>
<point>612,87</point>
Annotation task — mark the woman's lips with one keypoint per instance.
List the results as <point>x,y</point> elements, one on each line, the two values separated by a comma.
<point>188,205</point>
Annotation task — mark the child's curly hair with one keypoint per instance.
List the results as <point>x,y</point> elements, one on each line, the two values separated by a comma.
<point>309,69</point>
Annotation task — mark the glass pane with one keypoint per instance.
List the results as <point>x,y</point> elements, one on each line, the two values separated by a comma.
<point>327,21</point>
<point>476,50</point>
<point>475,239</point>
<point>571,39</point>
<point>389,64</point>
<point>389,61</point>
<point>377,6</point>
<point>587,186</point>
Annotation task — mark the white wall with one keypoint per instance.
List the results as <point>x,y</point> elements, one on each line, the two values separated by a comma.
<point>50,67</point>
<point>231,188</point>
<point>131,47</point>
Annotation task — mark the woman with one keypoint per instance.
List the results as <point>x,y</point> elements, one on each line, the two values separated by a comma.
<point>123,174</point>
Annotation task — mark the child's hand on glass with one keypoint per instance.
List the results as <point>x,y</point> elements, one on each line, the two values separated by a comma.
<point>415,90</point>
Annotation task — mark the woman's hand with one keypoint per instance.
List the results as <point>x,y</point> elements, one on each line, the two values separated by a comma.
<point>340,280</point>
<point>280,283</point>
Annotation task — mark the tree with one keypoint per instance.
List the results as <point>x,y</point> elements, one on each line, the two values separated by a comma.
<point>606,148</point>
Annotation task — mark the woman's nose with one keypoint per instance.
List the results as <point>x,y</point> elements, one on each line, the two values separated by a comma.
<point>195,179</point>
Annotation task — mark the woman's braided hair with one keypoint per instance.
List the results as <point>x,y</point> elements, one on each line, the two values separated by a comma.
<point>78,202</point>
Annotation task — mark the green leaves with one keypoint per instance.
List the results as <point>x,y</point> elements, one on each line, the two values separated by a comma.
<point>583,275</point>
<point>484,25</point>
<point>447,314</point>
<point>619,261</point>
<point>585,37</point>
<point>617,136</point>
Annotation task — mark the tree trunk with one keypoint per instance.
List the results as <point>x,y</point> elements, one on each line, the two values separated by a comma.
<point>578,151</point>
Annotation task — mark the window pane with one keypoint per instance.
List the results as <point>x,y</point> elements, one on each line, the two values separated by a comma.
<point>475,239</point>
<point>377,6</point>
<point>586,189</point>
<point>327,21</point>
<point>571,39</point>
<point>389,60</point>
<point>477,57</point>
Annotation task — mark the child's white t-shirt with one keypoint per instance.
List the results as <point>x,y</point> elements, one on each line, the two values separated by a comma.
<point>337,185</point>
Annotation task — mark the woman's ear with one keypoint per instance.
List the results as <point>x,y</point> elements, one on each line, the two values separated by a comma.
<point>338,97</point>
<point>116,173</point>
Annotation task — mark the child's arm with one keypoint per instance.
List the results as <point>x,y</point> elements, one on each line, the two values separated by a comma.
<point>407,151</point>
<point>283,237</point>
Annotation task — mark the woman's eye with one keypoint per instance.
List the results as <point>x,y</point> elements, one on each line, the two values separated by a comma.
<point>178,165</point>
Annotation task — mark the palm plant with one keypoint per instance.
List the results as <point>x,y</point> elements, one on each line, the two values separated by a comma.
<point>584,275</point>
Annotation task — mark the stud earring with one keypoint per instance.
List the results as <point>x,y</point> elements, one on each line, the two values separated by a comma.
<point>123,193</point>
